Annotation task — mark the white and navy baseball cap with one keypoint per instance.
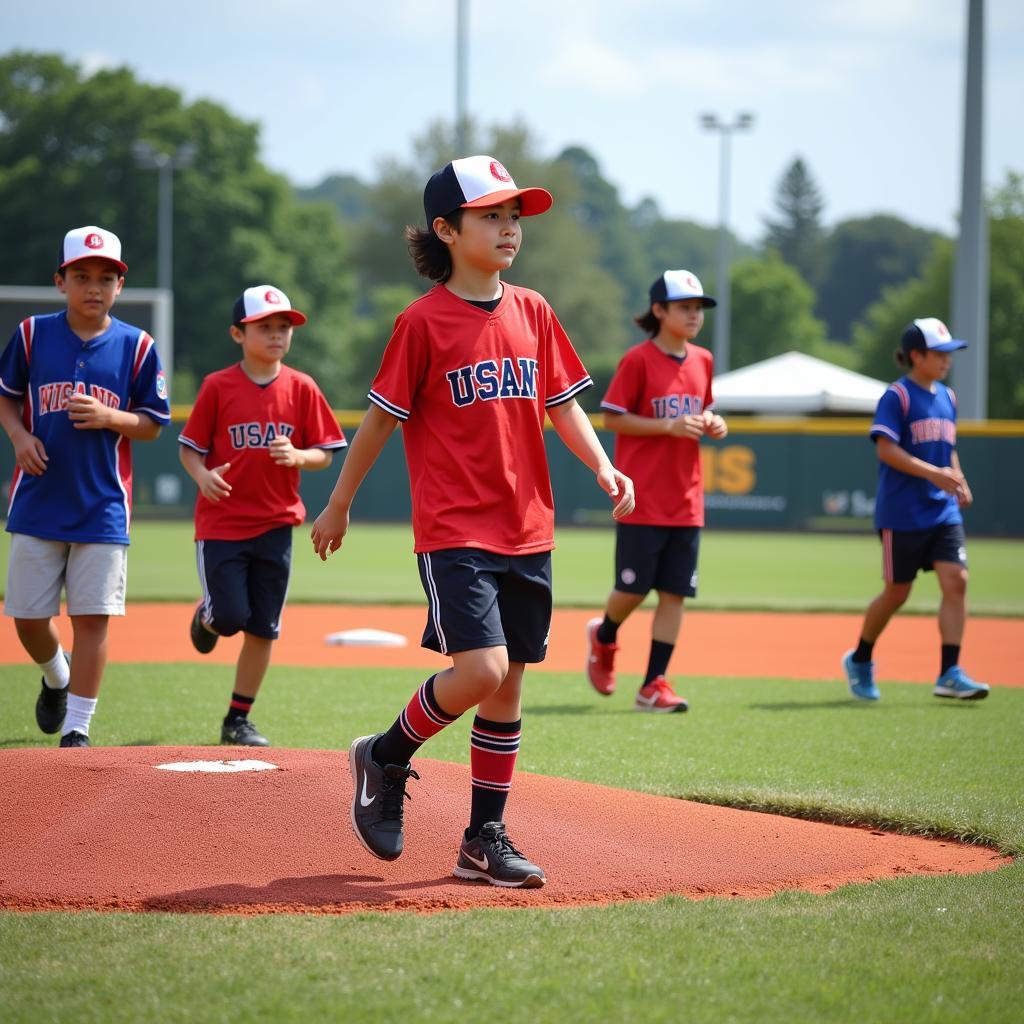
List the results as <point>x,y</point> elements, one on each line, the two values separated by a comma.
<point>263,300</point>
<point>478,181</point>
<point>90,242</point>
<point>930,334</point>
<point>674,285</point>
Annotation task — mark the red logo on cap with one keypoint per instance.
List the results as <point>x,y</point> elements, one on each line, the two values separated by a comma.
<point>94,241</point>
<point>273,298</point>
<point>692,282</point>
<point>941,330</point>
<point>499,172</point>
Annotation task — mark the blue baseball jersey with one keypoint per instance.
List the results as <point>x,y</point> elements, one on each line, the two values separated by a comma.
<point>84,496</point>
<point>922,423</point>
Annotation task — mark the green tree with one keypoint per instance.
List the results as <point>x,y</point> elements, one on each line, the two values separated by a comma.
<point>877,336</point>
<point>772,312</point>
<point>862,257</point>
<point>796,232</point>
<point>66,159</point>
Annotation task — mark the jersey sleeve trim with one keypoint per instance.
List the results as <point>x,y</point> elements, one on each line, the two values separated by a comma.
<point>389,407</point>
<point>156,414</point>
<point>4,386</point>
<point>195,446</point>
<point>612,407</point>
<point>880,428</point>
<point>570,392</point>
<point>331,445</point>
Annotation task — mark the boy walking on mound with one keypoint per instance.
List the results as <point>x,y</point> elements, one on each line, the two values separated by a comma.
<point>470,372</point>
<point>254,425</point>
<point>76,388</point>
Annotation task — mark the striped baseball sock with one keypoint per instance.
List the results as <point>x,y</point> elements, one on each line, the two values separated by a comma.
<point>422,718</point>
<point>239,707</point>
<point>493,747</point>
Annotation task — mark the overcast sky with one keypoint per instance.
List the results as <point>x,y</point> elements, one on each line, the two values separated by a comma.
<point>869,92</point>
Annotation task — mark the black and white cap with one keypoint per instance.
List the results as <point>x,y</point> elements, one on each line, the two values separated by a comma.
<point>90,242</point>
<point>478,181</point>
<point>929,334</point>
<point>263,300</point>
<point>674,285</point>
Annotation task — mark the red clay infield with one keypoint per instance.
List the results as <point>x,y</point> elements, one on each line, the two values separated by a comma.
<point>105,829</point>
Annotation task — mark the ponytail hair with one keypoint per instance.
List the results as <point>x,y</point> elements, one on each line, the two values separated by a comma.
<point>648,322</point>
<point>430,255</point>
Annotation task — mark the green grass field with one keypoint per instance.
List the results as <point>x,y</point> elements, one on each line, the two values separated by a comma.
<point>781,571</point>
<point>914,949</point>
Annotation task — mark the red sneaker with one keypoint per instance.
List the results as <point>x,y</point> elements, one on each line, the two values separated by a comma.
<point>600,660</point>
<point>658,695</point>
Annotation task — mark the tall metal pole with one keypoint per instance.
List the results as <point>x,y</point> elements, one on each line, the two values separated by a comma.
<point>461,23</point>
<point>969,313</point>
<point>165,221</point>
<point>723,314</point>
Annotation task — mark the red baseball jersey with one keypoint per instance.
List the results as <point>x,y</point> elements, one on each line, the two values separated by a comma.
<point>234,420</point>
<point>665,470</point>
<point>471,389</point>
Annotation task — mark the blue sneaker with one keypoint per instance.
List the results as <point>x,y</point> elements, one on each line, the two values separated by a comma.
<point>860,676</point>
<point>956,683</point>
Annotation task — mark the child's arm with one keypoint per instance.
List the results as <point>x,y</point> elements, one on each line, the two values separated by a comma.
<point>211,482</point>
<point>948,478</point>
<point>965,498</point>
<point>89,413</point>
<point>332,524</point>
<point>574,428</point>
<point>649,426</point>
<point>284,453</point>
<point>29,452</point>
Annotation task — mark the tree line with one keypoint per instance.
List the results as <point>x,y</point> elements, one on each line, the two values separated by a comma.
<point>842,293</point>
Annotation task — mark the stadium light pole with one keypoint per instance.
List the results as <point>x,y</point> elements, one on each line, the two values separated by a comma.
<point>712,123</point>
<point>147,155</point>
<point>461,44</point>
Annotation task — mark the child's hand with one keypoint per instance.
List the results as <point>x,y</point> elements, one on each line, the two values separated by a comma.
<point>29,453</point>
<point>283,452</point>
<point>212,484</point>
<point>687,426</point>
<point>617,485</point>
<point>964,498</point>
<point>88,412</point>
<point>952,481</point>
<point>329,530</point>
<point>715,425</point>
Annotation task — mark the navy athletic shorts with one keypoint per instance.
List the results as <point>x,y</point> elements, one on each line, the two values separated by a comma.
<point>481,599</point>
<point>906,552</point>
<point>656,558</point>
<point>245,582</point>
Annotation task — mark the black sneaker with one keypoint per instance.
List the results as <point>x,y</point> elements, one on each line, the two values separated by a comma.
<point>74,739</point>
<point>492,857</point>
<point>52,705</point>
<point>242,733</point>
<point>202,639</point>
<point>378,799</point>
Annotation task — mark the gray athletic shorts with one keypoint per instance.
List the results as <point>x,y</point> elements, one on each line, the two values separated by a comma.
<point>92,575</point>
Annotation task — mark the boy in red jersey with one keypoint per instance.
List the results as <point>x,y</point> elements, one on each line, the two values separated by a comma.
<point>470,372</point>
<point>252,428</point>
<point>659,405</point>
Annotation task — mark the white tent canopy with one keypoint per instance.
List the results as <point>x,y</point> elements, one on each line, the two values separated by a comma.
<point>796,384</point>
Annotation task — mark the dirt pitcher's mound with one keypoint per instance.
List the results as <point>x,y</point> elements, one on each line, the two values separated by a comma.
<point>251,831</point>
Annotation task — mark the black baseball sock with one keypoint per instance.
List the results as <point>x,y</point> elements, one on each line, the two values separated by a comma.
<point>950,657</point>
<point>657,663</point>
<point>608,631</point>
<point>863,652</point>
<point>239,707</point>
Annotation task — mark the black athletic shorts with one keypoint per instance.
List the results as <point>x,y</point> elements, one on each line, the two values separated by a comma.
<point>656,558</point>
<point>905,552</point>
<point>245,582</point>
<point>480,599</point>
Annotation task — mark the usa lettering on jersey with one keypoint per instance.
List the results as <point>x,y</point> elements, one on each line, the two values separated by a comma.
<point>54,397</point>
<point>932,429</point>
<point>257,435</point>
<point>674,406</point>
<point>490,379</point>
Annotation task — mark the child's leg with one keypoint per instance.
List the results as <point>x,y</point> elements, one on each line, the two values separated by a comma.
<point>253,662</point>
<point>617,609</point>
<point>952,579</point>
<point>668,617</point>
<point>41,641</point>
<point>90,647</point>
<point>494,746</point>
<point>877,616</point>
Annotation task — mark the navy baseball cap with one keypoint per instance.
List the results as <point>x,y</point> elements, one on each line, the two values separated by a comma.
<point>478,181</point>
<point>674,285</point>
<point>930,335</point>
<point>261,301</point>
